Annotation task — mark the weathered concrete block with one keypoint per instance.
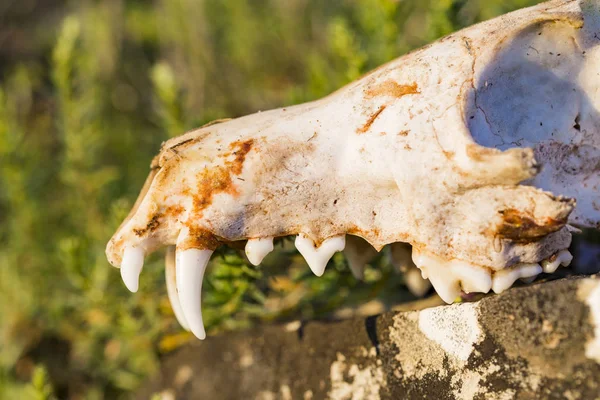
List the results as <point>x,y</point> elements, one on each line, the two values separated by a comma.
<point>540,341</point>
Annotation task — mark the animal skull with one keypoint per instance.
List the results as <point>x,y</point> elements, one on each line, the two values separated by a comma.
<point>473,150</point>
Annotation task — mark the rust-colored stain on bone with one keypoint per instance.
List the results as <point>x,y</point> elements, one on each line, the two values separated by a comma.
<point>391,88</point>
<point>521,228</point>
<point>199,238</point>
<point>150,227</point>
<point>372,118</point>
<point>212,181</point>
<point>155,220</point>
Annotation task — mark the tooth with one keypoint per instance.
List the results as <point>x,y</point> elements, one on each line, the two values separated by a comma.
<point>191,264</point>
<point>446,286</point>
<point>257,249</point>
<point>170,277</point>
<point>358,253</point>
<point>415,283</point>
<point>449,277</point>
<point>400,255</point>
<point>563,258</point>
<point>504,279</point>
<point>441,277</point>
<point>317,258</point>
<point>357,268</point>
<point>472,277</point>
<point>131,267</point>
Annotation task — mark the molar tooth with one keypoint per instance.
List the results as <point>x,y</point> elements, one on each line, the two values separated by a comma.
<point>563,258</point>
<point>257,249</point>
<point>436,269</point>
<point>317,258</point>
<point>473,278</point>
<point>131,267</point>
<point>446,286</point>
<point>170,278</point>
<point>504,279</point>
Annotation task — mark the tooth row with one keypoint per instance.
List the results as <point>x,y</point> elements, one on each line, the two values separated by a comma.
<point>184,271</point>
<point>450,277</point>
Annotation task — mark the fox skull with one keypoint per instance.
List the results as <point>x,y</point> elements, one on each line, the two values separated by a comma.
<point>474,150</point>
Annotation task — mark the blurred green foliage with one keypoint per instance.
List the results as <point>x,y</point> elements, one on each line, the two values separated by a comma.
<point>88,91</point>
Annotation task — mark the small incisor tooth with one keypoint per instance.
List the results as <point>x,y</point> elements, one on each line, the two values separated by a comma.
<point>317,258</point>
<point>563,258</point>
<point>131,267</point>
<point>258,249</point>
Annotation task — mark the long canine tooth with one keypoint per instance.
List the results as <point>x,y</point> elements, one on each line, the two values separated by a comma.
<point>191,264</point>
<point>170,278</point>
<point>257,249</point>
<point>563,258</point>
<point>504,279</point>
<point>131,267</point>
<point>317,258</point>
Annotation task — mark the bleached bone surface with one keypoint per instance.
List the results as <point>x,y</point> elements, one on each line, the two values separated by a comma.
<point>429,149</point>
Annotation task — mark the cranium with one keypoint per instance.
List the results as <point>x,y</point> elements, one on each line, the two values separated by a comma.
<point>475,150</point>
